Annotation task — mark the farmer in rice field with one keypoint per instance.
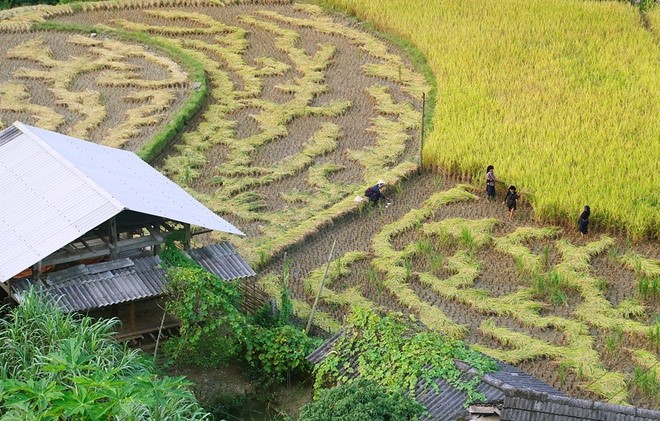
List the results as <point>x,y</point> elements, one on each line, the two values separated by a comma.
<point>583,221</point>
<point>490,183</point>
<point>375,192</point>
<point>510,201</point>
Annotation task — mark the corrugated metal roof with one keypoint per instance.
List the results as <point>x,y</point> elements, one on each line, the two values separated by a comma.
<point>223,260</point>
<point>521,404</point>
<point>86,287</point>
<point>447,403</point>
<point>56,188</point>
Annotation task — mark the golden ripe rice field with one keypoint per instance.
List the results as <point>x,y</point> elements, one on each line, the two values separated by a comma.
<point>287,112</point>
<point>562,97</point>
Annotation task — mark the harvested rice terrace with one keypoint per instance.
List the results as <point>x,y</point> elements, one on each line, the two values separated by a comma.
<point>495,316</point>
<point>304,111</point>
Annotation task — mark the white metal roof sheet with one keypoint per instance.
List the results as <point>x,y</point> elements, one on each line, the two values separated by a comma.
<point>56,188</point>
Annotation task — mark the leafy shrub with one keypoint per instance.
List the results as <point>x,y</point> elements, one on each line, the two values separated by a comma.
<point>213,330</point>
<point>360,400</point>
<point>276,351</point>
<point>212,327</point>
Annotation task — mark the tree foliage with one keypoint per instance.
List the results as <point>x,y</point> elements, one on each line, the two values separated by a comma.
<point>277,351</point>
<point>62,366</point>
<point>212,327</point>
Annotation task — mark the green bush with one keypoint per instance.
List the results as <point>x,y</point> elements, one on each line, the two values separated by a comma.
<point>278,351</point>
<point>212,327</point>
<point>8,4</point>
<point>360,400</point>
<point>214,331</point>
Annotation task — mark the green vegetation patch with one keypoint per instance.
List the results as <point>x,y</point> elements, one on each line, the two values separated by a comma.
<point>64,366</point>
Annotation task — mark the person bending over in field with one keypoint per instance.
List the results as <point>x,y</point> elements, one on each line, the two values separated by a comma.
<point>583,221</point>
<point>490,183</point>
<point>375,193</point>
<point>510,201</point>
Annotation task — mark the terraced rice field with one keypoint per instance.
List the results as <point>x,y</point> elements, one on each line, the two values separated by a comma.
<point>304,110</point>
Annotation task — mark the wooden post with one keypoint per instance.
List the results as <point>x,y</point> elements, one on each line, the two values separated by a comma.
<point>186,236</point>
<point>113,238</point>
<point>318,294</point>
<point>36,270</point>
<point>421,135</point>
<point>160,330</point>
<point>131,316</point>
<point>9,289</point>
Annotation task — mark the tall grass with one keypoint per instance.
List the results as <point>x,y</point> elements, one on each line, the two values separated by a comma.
<point>63,366</point>
<point>562,97</point>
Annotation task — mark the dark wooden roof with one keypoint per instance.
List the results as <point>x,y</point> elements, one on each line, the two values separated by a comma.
<point>86,287</point>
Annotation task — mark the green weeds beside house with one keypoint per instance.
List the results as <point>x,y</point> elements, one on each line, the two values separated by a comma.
<point>57,366</point>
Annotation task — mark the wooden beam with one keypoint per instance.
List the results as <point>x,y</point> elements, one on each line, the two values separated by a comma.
<point>483,409</point>
<point>155,233</point>
<point>168,226</point>
<point>200,232</point>
<point>99,251</point>
<point>73,257</point>
<point>136,243</point>
<point>86,245</point>
<point>6,286</point>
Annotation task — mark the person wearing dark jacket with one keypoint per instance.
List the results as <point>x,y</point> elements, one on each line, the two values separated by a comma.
<point>375,192</point>
<point>583,221</point>
<point>510,201</point>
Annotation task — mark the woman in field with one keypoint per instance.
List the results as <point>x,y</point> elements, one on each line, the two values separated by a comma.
<point>510,201</point>
<point>583,221</point>
<point>375,193</point>
<point>490,183</point>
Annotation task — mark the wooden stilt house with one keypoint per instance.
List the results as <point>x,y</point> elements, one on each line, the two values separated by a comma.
<point>85,222</point>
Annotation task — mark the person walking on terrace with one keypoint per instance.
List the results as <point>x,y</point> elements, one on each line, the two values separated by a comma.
<point>490,183</point>
<point>583,221</point>
<point>510,201</point>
